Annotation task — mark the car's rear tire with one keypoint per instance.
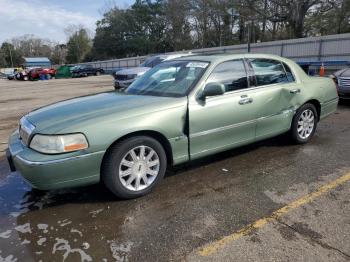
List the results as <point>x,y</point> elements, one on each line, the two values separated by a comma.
<point>304,124</point>
<point>132,167</point>
<point>98,73</point>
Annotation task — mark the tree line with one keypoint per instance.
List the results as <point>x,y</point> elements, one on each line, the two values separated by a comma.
<point>172,25</point>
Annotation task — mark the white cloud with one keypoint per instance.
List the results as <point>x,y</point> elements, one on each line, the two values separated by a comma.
<point>39,18</point>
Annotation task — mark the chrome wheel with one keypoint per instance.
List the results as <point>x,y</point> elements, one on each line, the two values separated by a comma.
<point>306,123</point>
<point>139,168</point>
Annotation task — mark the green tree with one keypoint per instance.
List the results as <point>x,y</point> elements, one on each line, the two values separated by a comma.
<point>78,46</point>
<point>155,26</point>
<point>9,56</point>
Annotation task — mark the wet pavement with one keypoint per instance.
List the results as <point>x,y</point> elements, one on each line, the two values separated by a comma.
<point>195,204</point>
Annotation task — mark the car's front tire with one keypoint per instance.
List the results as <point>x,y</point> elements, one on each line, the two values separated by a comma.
<point>132,167</point>
<point>304,123</point>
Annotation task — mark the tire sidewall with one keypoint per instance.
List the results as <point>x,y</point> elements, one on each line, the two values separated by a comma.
<point>110,168</point>
<point>294,129</point>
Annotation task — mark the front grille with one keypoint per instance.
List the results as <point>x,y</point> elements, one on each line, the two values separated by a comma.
<point>124,77</point>
<point>25,130</point>
<point>344,82</point>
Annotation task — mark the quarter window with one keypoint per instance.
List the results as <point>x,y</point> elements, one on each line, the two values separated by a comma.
<point>268,72</point>
<point>289,73</point>
<point>231,73</point>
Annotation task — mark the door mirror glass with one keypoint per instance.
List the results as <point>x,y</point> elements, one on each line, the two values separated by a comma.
<point>213,89</point>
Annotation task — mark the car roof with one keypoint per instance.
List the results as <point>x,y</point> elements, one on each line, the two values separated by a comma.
<point>228,56</point>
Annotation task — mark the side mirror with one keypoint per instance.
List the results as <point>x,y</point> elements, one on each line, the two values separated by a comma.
<point>212,89</point>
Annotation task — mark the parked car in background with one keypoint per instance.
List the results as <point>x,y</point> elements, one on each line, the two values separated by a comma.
<point>123,78</point>
<point>113,70</point>
<point>36,72</point>
<point>86,70</point>
<point>342,79</point>
<point>180,110</point>
<point>23,75</point>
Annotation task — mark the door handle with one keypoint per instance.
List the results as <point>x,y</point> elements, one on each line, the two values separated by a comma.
<point>245,101</point>
<point>294,91</point>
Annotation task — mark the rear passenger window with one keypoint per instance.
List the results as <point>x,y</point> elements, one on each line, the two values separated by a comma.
<point>268,72</point>
<point>289,73</point>
<point>231,73</point>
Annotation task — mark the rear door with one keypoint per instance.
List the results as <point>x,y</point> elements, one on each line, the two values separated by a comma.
<point>274,109</point>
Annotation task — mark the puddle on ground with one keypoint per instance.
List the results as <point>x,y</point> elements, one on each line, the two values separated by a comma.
<point>36,225</point>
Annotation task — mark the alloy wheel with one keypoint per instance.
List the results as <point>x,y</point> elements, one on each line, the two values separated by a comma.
<point>306,123</point>
<point>139,168</point>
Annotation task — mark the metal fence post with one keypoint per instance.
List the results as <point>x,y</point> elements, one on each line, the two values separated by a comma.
<point>320,50</point>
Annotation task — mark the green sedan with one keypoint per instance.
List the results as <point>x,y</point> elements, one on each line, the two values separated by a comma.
<point>181,110</point>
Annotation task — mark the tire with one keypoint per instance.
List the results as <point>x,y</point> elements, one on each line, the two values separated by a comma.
<point>98,73</point>
<point>125,185</point>
<point>304,124</point>
<point>25,78</point>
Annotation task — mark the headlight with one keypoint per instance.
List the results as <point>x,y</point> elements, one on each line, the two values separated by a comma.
<point>55,144</point>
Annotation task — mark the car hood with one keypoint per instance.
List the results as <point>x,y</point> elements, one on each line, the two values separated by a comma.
<point>344,72</point>
<point>133,71</point>
<point>62,116</point>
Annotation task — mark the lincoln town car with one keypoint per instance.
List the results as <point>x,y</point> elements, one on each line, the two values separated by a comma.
<point>178,111</point>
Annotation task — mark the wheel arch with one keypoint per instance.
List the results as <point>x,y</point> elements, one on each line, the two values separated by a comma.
<point>150,133</point>
<point>317,105</point>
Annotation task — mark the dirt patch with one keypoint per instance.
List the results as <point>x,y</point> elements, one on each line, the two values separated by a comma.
<point>11,100</point>
<point>287,233</point>
<point>304,229</point>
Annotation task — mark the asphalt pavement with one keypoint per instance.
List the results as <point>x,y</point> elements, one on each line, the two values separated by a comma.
<point>269,201</point>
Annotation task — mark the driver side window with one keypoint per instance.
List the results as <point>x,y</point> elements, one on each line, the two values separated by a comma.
<point>232,74</point>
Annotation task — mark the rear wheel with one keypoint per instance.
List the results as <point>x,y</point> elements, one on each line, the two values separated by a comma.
<point>98,73</point>
<point>134,166</point>
<point>304,124</point>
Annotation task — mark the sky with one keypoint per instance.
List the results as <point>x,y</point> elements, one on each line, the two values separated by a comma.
<point>48,18</point>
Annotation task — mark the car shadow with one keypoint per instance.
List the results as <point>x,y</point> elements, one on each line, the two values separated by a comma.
<point>344,102</point>
<point>282,140</point>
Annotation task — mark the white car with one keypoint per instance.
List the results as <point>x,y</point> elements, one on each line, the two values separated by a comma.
<point>124,77</point>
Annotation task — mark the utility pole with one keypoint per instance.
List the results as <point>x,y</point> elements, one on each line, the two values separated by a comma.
<point>11,56</point>
<point>249,33</point>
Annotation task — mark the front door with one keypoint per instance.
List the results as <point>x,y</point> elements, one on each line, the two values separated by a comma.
<point>223,122</point>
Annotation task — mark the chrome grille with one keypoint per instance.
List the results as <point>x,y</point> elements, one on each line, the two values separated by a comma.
<point>124,77</point>
<point>344,82</point>
<point>25,130</point>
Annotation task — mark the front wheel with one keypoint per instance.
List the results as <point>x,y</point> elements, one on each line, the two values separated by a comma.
<point>134,166</point>
<point>304,124</point>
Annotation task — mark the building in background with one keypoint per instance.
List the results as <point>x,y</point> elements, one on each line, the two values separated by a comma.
<point>37,62</point>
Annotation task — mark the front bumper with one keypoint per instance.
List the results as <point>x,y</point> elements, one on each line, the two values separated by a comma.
<point>122,84</point>
<point>344,93</point>
<point>47,172</point>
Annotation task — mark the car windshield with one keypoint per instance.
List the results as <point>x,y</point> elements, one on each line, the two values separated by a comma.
<point>173,78</point>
